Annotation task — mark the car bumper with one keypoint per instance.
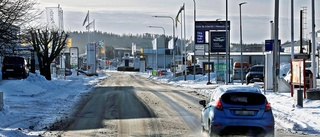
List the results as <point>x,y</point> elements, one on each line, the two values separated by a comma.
<point>255,79</point>
<point>223,126</point>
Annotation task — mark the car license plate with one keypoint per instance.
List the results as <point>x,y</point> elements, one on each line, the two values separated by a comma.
<point>9,69</point>
<point>244,113</point>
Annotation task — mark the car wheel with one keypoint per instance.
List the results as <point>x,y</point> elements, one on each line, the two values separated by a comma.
<point>25,75</point>
<point>248,81</point>
<point>203,130</point>
<point>212,134</point>
<point>270,134</point>
<point>4,77</point>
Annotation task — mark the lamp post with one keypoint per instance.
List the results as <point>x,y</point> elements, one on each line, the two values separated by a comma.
<point>241,57</point>
<point>173,37</point>
<point>164,35</point>
<point>218,64</point>
<point>227,47</point>
<point>194,46</point>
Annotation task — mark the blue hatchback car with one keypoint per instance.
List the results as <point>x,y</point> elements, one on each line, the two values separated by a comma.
<point>237,110</point>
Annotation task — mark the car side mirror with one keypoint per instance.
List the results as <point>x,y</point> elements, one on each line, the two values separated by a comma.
<point>202,102</point>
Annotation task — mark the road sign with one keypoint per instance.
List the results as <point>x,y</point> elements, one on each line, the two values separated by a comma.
<point>199,50</point>
<point>218,41</point>
<point>269,44</point>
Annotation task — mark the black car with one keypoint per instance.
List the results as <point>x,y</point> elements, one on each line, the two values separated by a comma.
<point>255,74</point>
<point>14,66</point>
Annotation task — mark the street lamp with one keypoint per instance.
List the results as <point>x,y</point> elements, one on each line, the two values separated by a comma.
<point>241,75</point>
<point>194,46</point>
<point>227,80</point>
<point>173,37</point>
<point>164,33</point>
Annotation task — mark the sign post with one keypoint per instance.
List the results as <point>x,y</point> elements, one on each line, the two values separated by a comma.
<point>216,39</point>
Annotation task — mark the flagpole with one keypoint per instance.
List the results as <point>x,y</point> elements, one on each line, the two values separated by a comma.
<point>181,42</point>
<point>88,29</point>
<point>94,24</point>
<point>185,47</point>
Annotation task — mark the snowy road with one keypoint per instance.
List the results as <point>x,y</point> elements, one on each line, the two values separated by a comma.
<point>128,105</point>
<point>131,105</point>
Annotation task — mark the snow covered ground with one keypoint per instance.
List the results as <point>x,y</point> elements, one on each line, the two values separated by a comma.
<point>33,104</point>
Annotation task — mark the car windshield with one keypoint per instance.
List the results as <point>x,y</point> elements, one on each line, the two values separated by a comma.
<point>308,64</point>
<point>13,60</point>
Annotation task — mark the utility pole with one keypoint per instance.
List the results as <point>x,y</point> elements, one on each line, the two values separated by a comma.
<point>276,46</point>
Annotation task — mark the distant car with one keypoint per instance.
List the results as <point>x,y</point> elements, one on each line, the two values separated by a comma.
<point>255,74</point>
<point>68,72</point>
<point>65,72</point>
<point>237,110</point>
<point>14,66</point>
<point>162,72</point>
<point>149,68</point>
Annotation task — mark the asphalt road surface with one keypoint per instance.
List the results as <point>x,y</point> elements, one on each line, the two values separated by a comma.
<point>125,104</point>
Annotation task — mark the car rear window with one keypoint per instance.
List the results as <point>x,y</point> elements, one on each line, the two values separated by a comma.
<point>260,69</point>
<point>243,98</point>
<point>13,60</point>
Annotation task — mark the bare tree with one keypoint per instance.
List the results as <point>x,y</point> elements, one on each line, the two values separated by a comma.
<point>13,15</point>
<point>47,44</point>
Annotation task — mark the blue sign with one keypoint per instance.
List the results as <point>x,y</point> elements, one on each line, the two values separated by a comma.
<point>202,26</point>
<point>218,41</point>
<point>269,45</point>
<point>200,37</point>
<point>211,25</point>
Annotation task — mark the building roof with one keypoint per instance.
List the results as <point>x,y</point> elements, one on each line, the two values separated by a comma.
<point>296,43</point>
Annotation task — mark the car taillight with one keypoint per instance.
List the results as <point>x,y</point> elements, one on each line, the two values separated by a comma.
<point>268,107</point>
<point>219,105</point>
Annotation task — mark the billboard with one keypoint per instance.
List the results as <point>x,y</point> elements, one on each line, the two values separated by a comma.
<point>91,58</point>
<point>201,27</point>
<point>74,55</point>
<point>297,71</point>
<point>217,41</point>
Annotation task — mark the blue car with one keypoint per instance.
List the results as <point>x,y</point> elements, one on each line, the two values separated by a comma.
<point>237,110</point>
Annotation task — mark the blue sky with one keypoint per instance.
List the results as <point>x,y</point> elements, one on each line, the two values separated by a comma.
<point>133,16</point>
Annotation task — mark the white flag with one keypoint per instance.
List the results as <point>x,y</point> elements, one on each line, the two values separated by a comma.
<point>189,41</point>
<point>53,18</point>
<point>154,44</point>
<point>170,45</point>
<point>133,48</point>
<point>91,25</point>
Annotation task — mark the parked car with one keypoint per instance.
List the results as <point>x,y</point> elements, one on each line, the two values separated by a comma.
<point>255,74</point>
<point>287,77</point>
<point>64,72</point>
<point>14,66</point>
<point>237,110</point>
<point>163,72</point>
